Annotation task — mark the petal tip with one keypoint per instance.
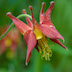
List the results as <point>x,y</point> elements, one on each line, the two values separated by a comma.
<point>23,10</point>
<point>26,63</point>
<point>63,40</point>
<point>60,37</point>
<point>30,7</point>
<point>43,3</point>
<point>9,13</point>
<point>67,49</point>
<point>52,2</point>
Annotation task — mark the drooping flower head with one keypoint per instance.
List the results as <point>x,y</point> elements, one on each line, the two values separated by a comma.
<point>35,35</point>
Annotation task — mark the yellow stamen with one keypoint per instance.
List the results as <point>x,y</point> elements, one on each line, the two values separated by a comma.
<point>44,48</point>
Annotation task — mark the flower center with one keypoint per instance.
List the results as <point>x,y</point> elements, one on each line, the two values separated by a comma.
<point>44,49</point>
<point>38,33</point>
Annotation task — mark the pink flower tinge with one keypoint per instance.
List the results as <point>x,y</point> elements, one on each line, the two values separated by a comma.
<point>35,35</point>
<point>10,43</point>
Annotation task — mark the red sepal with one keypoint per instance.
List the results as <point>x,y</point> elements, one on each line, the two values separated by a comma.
<point>31,41</point>
<point>58,42</point>
<point>50,32</point>
<point>35,24</point>
<point>48,12</point>
<point>22,27</point>
<point>42,13</point>
<point>27,19</point>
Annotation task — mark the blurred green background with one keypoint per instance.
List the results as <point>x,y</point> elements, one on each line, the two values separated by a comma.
<point>61,16</point>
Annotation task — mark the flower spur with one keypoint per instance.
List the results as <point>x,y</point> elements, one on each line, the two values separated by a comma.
<point>35,35</point>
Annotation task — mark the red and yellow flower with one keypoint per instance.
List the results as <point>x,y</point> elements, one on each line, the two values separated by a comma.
<point>35,35</point>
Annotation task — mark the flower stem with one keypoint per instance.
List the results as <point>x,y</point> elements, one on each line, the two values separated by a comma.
<point>12,24</point>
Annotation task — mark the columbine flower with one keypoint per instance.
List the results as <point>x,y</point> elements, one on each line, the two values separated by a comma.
<point>10,43</point>
<point>36,35</point>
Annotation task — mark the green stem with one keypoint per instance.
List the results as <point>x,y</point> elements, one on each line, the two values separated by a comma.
<point>12,24</point>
